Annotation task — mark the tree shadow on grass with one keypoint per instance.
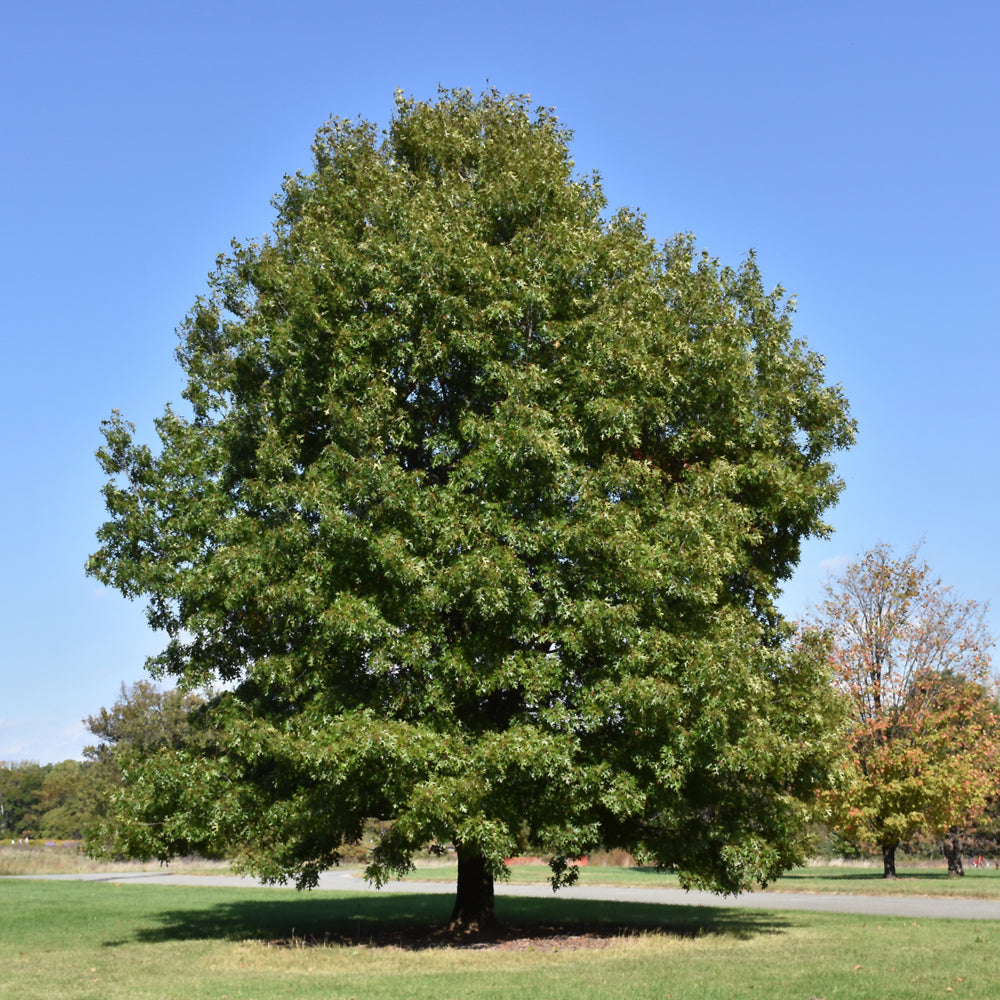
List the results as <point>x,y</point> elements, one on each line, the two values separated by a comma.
<point>416,921</point>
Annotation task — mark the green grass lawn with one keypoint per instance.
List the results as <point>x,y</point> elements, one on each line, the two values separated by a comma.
<point>977,883</point>
<point>143,942</point>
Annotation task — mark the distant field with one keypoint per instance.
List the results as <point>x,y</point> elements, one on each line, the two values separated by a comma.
<point>75,940</point>
<point>37,859</point>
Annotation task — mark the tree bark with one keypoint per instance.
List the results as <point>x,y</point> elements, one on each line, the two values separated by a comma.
<point>889,861</point>
<point>474,902</point>
<point>953,852</point>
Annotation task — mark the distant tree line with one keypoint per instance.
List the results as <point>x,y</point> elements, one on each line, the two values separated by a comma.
<point>54,801</point>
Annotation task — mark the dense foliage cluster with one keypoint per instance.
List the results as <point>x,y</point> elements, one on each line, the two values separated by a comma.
<point>479,511</point>
<point>25,801</point>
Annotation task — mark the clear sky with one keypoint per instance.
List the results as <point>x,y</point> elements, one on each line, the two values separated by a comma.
<point>854,145</point>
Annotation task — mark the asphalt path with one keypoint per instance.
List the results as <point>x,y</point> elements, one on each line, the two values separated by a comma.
<point>944,907</point>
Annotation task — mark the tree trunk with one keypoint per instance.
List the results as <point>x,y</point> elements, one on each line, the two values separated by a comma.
<point>889,861</point>
<point>953,852</point>
<point>474,908</point>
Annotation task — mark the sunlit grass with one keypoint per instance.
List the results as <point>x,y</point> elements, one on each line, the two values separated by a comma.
<point>141,942</point>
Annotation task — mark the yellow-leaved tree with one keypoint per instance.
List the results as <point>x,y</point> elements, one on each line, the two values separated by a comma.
<point>913,662</point>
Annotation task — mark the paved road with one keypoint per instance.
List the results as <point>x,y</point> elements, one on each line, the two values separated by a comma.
<point>886,906</point>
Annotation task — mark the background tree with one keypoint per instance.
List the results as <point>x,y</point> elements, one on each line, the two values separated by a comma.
<point>480,510</point>
<point>967,715</point>
<point>144,721</point>
<point>914,663</point>
<point>66,799</point>
<point>145,718</point>
<point>975,835</point>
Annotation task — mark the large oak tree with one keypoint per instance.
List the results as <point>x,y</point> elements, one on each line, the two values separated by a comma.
<point>479,509</point>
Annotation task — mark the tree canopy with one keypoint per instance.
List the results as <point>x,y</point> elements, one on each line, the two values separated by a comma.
<point>924,739</point>
<point>145,718</point>
<point>479,508</point>
<point>143,722</point>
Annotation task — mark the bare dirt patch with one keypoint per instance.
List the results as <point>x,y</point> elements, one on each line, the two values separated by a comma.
<point>503,937</point>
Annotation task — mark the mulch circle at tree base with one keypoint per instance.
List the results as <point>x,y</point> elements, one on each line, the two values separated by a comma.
<point>501,937</point>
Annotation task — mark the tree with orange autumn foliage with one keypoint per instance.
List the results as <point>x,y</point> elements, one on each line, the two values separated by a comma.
<point>913,663</point>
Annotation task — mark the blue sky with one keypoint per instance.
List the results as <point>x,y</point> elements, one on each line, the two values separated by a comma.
<point>854,145</point>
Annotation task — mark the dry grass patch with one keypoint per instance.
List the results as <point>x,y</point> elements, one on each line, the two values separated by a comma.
<point>60,859</point>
